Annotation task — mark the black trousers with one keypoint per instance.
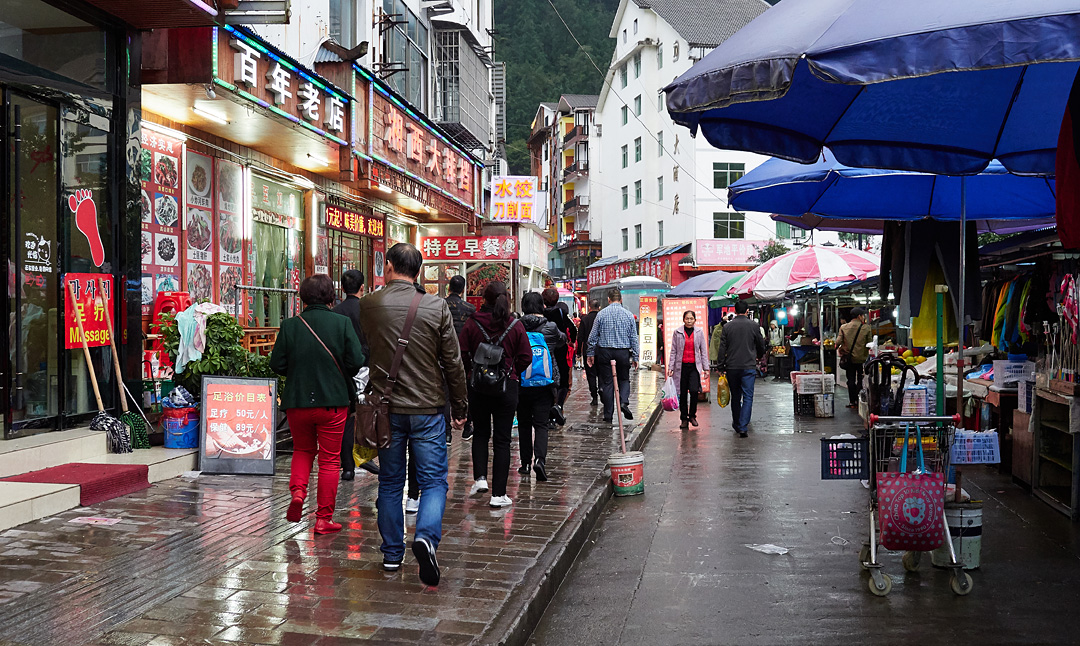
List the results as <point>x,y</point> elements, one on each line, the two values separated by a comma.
<point>534,422</point>
<point>689,387</point>
<point>854,383</point>
<point>602,362</point>
<point>562,358</point>
<point>493,419</point>
<point>590,376</point>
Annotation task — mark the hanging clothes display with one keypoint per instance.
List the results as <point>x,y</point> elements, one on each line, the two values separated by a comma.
<point>924,326</point>
<point>917,252</point>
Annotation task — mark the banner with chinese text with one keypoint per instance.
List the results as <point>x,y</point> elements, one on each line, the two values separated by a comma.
<point>160,169</point>
<point>238,425</point>
<point>468,248</point>
<point>673,322</point>
<point>513,198</point>
<point>88,288</point>
<point>647,330</point>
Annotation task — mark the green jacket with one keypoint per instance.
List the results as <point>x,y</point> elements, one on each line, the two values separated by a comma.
<point>714,343</point>
<point>312,380</point>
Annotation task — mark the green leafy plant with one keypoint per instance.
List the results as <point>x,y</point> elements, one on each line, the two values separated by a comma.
<point>768,251</point>
<point>224,355</point>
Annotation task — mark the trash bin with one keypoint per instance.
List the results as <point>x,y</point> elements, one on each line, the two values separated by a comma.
<point>181,428</point>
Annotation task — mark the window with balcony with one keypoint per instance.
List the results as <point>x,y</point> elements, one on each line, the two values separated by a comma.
<point>343,22</point>
<point>783,230</point>
<point>637,105</point>
<point>637,192</point>
<point>637,236</point>
<point>660,189</point>
<point>622,75</point>
<point>660,104</point>
<point>625,239</point>
<point>625,114</point>
<point>725,174</point>
<point>625,157</point>
<point>637,149</point>
<point>625,198</point>
<point>729,225</point>
<point>637,64</point>
<point>660,144</point>
<point>660,234</point>
<point>405,45</point>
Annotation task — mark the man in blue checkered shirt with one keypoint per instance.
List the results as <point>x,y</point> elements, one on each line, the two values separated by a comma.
<point>614,337</point>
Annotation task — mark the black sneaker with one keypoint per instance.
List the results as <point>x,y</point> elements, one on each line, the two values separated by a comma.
<point>524,469</point>
<point>626,413</point>
<point>371,466</point>
<point>595,402</point>
<point>390,566</point>
<point>425,558</point>
<point>541,472</point>
<point>557,415</point>
<point>348,475</point>
<point>466,433</point>
<point>743,434</point>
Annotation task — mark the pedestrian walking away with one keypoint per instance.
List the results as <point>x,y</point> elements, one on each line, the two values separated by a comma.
<point>583,335</point>
<point>319,353</point>
<point>429,357</point>
<point>495,350</point>
<point>851,346</point>
<point>689,360</point>
<point>556,312</point>
<point>614,337</point>
<point>538,386</point>
<point>741,346</point>
<point>352,283</point>
<point>461,310</point>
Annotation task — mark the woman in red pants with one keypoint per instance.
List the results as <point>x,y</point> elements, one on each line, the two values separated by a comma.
<point>319,353</point>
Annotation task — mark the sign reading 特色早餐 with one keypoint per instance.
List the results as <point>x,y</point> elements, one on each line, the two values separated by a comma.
<point>469,248</point>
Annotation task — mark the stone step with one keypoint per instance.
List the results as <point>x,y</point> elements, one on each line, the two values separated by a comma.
<point>37,452</point>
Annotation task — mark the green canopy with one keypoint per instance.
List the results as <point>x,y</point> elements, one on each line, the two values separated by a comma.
<point>721,298</point>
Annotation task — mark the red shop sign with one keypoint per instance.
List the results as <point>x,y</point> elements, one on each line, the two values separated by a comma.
<point>352,222</point>
<point>89,290</point>
<point>469,248</point>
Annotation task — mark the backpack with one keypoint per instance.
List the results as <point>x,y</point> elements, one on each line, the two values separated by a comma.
<point>541,372</point>
<point>489,371</point>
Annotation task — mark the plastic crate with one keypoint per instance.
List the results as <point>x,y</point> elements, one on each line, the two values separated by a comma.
<point>975,447</point>
<point>1008,373</point>
<point>845,459</point>
<point>823,405</point>
<point>1025,396</point>
<point>804,405</point>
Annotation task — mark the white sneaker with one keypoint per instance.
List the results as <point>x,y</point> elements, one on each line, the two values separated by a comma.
<point>500,501</point>
<point>480,486</point>
<point>412,505</point>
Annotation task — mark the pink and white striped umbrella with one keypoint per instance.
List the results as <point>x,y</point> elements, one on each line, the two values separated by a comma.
<point>805,267</point>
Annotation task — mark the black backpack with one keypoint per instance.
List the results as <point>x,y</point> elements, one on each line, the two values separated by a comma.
<point>489,371</point>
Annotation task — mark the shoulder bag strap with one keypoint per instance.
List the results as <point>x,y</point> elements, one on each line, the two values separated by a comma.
<point>506,331</point>
<point>855,339</point>
<point>332,357</point>
<point>402,343</point>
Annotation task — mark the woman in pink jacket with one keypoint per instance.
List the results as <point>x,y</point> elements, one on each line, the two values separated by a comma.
<point>688,361</point>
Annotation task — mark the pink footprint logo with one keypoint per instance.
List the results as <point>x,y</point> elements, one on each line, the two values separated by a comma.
<point>82,205</point>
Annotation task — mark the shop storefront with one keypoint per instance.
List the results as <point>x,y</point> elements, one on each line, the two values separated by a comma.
<point>662,263</point>
<point>64,124</point>
<point>481,259</point>
<point>349,237</point>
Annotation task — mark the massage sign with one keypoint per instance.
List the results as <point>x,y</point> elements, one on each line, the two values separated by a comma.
<point>93,293</point>
<point>160,168</point>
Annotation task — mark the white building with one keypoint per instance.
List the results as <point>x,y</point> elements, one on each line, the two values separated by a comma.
<point>652,184</point>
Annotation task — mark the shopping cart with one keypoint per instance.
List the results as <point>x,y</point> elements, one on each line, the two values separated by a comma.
<point>887,444</point>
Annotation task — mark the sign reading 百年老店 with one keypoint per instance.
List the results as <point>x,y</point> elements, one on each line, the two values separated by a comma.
<point>513,198</point>
<point>647,329</point>
<point>238,423</point>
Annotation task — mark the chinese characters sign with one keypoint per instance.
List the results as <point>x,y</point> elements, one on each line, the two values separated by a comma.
<point>469,249</point>
<point>161,169</point>
<point>253,69</point>
<point>647,330</point>
<point>349,221</point>
<point>93,293</point>
<point>726,252</point>
<point>410,145</point>
<point>656,267</point>
<point>673,322</point>
<point>272,203</point>
<point>238,424</point>
<point>513,198</point>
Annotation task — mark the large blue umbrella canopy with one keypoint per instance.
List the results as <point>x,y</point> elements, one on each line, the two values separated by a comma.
<point>703,284</point>
<point>807,74</point>
<point>1000,200</point>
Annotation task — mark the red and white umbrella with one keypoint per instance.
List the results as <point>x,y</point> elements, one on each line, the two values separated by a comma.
<point>805,267</point>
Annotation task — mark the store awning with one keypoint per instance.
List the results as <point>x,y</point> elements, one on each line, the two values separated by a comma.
<point>604,262</point>
<point>159,14</point>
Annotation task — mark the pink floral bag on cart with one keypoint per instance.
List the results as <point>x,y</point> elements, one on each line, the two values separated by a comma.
<point>911,505</point>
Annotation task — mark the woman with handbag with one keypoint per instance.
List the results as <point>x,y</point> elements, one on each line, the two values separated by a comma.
<point>688,361</point>
<point>318,352</point>
<point>495,350</point>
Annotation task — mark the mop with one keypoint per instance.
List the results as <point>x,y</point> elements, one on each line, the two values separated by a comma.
<point>116,432</point>
<point>135,423</point>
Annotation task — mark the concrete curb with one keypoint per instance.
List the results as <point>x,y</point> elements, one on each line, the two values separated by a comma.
<point>514,625</point>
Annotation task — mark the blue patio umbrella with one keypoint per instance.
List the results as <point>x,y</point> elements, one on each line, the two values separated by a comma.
<point>830,193</point>
<point>703,284</point>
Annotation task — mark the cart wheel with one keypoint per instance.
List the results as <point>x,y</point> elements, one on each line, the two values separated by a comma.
<point>881,592</point>
<point>961,583</point>
<point>911,561</point>
<point>864,556</point>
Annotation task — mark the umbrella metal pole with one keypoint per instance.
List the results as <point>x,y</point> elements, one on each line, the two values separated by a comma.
<point>961,296</point>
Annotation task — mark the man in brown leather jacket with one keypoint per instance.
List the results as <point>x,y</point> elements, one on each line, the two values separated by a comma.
<point>431,358</point>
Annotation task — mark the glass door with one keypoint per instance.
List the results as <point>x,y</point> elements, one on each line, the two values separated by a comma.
<point>32,381</point>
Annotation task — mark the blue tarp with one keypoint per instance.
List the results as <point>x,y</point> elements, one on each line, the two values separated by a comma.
<point>807,74</point>
<point>702,285</point>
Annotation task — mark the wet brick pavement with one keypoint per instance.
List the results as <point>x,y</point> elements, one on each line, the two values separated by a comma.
<point>212,560</point>
<point>670,567</point>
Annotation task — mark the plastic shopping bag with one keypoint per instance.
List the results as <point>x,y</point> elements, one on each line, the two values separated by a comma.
<point>723,392</point>
<point>670,399</point>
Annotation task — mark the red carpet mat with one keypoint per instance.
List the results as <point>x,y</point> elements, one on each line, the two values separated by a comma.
<point>97,482</point>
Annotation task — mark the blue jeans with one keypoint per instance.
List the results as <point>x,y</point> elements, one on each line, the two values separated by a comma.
<point>741,383</point>
<point>425,435</point>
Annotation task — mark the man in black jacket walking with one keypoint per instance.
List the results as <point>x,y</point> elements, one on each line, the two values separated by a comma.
<point>741,346</point>
<point>461,310</point>
<point>352,283</point>
<point>583,333</point>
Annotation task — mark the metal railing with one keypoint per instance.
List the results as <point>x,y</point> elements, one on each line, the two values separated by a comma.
<point>292,306</point>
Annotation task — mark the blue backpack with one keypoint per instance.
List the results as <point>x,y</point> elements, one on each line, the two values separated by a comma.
<point>541,372</point>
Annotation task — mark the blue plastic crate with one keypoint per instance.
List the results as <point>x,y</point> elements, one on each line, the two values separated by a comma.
<point>845,458</point>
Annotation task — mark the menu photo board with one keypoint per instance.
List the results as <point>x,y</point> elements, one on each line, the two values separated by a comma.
<point>674,308</point>
<point>160,170</point>
<point>238,422</point>
<point>93,293</point>
<point>199,230</point>
<point>229,207</point>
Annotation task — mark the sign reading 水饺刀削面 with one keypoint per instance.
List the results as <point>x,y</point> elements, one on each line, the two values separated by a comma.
<point>513,198</point>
